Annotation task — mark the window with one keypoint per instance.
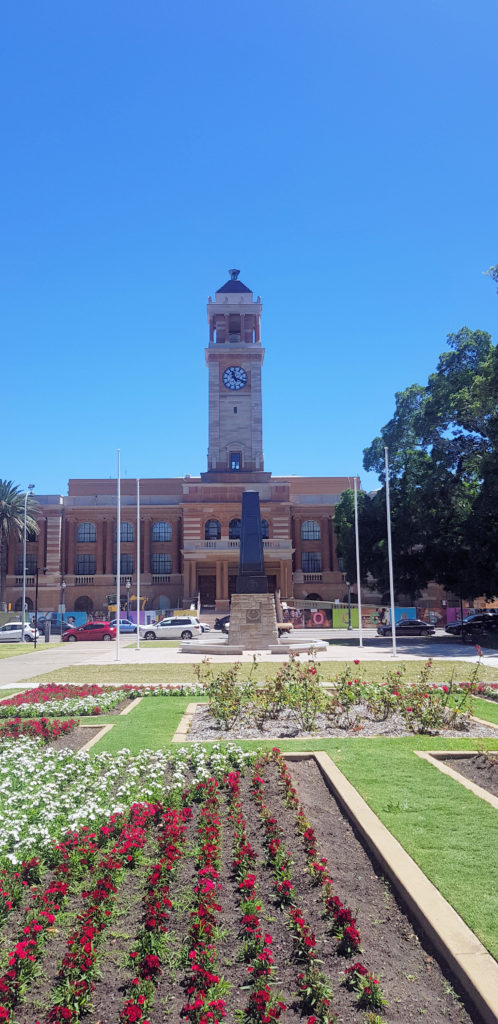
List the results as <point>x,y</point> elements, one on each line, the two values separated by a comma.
<point>310,530</point>
<point>311,561</point>
<point>85,565</point>
<point>30,565</point>
<point>87,533</point>
<point>126,565</point>
<point>161,563</point>
<point>234,529</point>
<point>127,533</point>
<point>235,461</point>
<point>265,530</point>
<point>162,531</point>
<point>212,530</point>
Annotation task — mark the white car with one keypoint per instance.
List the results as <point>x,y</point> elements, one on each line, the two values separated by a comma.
<point>178,628</point>
<point>12,632</point>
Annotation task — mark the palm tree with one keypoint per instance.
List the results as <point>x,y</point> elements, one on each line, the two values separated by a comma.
<point>12,524</point>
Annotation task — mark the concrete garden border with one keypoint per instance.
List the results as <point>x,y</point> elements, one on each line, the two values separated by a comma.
<point>434,757</point>
<point>475,968</point>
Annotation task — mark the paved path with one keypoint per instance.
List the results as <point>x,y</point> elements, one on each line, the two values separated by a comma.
<point>24,667</point>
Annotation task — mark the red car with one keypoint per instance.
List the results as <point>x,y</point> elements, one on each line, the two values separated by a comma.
<point>91,631</point>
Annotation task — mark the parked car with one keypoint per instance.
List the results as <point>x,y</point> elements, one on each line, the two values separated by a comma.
<point>55,625</point>
<point>205,627</point>
<point>11,632</point>
<point>480,631</point>
<point>407,627</point>
<point>91,631</point>
<point>125,625</point>
<point>179,627</point>
<point>470,622</point>
<point>222,623</point>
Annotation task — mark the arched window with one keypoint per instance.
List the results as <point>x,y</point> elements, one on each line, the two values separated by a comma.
<point>85,565</point>
<point>234,529</point>
<point>265,529</point>
<point>311,561</point>
<point>310,530</point>
<point>126,565</point>
<point>212,530</point>
<point>161,563</point>
<point>162,531</point>
<point>87,533</point>
<point>127,533</point>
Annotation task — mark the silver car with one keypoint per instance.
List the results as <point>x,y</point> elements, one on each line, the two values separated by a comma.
<point>12,632</point>
<point>180,627</point>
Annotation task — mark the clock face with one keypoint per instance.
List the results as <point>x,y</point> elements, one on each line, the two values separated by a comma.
<point>235,378</point>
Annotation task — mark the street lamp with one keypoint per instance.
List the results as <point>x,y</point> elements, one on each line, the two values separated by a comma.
<point>30,488</point>
<point>348,584</point>
<point>128,585</point>
<point>63,606</point>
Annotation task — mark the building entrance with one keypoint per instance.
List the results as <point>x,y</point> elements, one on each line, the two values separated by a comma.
<point>207,590</point>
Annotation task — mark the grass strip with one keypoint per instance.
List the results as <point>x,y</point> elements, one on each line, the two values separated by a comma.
<point>371,671</point>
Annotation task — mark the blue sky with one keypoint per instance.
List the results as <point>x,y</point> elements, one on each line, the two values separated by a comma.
<point>343,156</point>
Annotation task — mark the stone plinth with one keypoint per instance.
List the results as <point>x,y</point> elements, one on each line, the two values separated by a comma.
<point>253,621</point>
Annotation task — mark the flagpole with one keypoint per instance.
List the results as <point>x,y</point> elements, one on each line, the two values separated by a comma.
<point>118,556</point>
<point>390,554</point>
<point>138,565</point>
<point>357,539</point>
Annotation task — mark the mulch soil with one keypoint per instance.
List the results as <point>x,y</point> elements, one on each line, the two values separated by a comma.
<point>416,986</point>
<point>481,769</point>
<point>357,724</point>
<point>75,739</point>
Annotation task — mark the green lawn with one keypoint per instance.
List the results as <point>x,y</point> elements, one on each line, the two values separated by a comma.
<point>372,671</point>
<point>487,709</point>
<point>11,650</point>
<point>450,833</point>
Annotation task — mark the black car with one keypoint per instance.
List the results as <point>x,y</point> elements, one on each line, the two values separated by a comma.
<point>222,623</point>
<point>55,626</point>
<point>473,623</point>
<point>408,627</point>
<point>484,629</point>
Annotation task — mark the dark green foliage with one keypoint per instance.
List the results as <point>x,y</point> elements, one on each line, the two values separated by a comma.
<point>443,461</point>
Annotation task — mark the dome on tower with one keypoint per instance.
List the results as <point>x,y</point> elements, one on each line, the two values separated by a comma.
<point>233,285</point>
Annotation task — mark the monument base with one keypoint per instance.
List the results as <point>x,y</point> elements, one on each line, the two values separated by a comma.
<point>253,621</point>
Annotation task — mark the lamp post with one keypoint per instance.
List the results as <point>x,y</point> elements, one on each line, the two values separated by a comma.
<point>348,584</point>
<point>63,606</point>
<point>128,585</point>
<point>30,488</point>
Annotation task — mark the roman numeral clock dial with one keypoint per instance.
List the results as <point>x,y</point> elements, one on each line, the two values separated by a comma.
<point>235,378</point>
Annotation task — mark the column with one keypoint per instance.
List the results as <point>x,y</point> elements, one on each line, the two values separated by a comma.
<point>109,540</point>
<point>175,546</point>
<point>146,533</point>
<point>219,573</point>
<point>297,545</point>
<point>11,558</point>
<point>224,580</point>
<point>100,547</point>
<point>69,546</point>
<point>326,559</point>
<point>40,556</point>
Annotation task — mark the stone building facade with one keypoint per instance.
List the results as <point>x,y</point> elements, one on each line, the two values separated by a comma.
<point>190,527</point>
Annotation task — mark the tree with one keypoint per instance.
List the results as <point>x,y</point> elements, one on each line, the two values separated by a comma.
<point>443,449</point>
<point>12,524</point>
<point>492,272</point>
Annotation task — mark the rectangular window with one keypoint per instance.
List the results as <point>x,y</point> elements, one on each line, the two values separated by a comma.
<point>85,565</point>
<point>126,564</point>
<point>30,565</point>
<point>311,561</point>
<point>235,461</point>
<point>235,408</point>
<point>161,563</point>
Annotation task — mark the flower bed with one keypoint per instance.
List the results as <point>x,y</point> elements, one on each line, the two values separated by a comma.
<point>296,704</point>
<point>67,699</point>
<point>217,896</point>
<point>41,729</point>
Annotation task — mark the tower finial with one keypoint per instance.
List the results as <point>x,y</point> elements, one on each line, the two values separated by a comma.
<point>234,274</point>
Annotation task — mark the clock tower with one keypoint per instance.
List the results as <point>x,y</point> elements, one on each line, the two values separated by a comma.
<point>234,359</point>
